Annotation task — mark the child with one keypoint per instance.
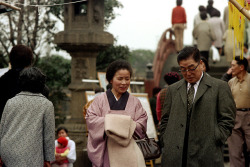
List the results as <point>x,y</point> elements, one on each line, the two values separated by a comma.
<point>71,157</point>
<point>61,150</point>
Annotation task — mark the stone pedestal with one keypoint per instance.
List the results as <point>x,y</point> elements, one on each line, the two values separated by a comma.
<point>83,38</point>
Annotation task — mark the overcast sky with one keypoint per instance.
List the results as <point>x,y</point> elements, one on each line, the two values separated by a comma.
<point>140,23</point>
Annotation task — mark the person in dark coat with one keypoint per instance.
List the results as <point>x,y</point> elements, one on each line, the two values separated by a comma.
<point>20,57</point>
<point>152,102</point>
<point>198,116</point>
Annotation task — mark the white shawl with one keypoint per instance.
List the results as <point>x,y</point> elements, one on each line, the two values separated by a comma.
<point>122,149</point>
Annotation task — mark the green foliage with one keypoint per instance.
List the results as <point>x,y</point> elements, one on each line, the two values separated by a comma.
<point>57,70</point>
<point>139,59</point>
<point>111,54</point>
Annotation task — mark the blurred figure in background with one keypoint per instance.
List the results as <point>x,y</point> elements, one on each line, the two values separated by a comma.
<point>211,9</point>
<point>152,102</point>
<point>20,57</point>
<point>219,27</point>
<point>170,78</point>
<point>179,24</point>
<point>226,17</point>
<point>71,156</point>
<point>205,65</point>
<point>198,20</point>
<point>204,34</point>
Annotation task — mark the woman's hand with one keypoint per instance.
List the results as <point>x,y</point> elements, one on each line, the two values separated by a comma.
<point>47,164</point>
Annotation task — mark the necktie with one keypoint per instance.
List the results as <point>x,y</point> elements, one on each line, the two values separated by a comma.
<point>190,97</point>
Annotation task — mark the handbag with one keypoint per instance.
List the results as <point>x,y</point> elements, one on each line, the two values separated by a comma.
<point>148,146</point>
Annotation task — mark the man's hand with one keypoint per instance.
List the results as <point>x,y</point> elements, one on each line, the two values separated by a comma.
<point>229,71</point>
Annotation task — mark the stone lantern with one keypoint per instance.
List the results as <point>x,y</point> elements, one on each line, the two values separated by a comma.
<point>83,38</point>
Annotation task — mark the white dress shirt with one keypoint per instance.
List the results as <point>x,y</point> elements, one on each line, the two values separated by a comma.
<point>196,85</point>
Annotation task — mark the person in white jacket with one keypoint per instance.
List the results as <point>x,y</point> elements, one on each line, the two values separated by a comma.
<point>63,132</point>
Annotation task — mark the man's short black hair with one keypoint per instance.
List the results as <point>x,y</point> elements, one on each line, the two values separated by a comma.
<point>20,57</point>
<point>32,80</point>
<point>188,52</point>
<point>210,2</point>
<point>241,61</point>
<point>246,45</point>
<point>179,2</point>
<point>116,66</point>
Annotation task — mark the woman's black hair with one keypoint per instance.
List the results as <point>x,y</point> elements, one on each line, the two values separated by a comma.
<point>116,66</point>
<point>61,128</point>
<point>20,57</point>
<point>32,80</point>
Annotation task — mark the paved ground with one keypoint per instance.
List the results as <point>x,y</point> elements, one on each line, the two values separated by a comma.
<point>157,164</point>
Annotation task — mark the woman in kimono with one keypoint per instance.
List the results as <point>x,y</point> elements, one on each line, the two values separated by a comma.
<point>114,101</point>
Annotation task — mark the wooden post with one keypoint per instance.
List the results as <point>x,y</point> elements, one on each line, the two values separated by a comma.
<point>10,6</point>
<point>241,9</point>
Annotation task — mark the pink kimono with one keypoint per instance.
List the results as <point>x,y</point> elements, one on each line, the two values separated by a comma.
<point>97,140</point>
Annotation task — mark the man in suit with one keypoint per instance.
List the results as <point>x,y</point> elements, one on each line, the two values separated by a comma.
<point>198,116</point>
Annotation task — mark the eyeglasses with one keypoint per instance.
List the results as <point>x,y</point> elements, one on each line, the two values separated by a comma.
<point>189,70</point>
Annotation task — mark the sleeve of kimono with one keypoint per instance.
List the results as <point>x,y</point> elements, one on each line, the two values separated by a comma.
<point>49,133</point>
<point>165,115</point>
<point>96,141</point>
<point>140,119</point>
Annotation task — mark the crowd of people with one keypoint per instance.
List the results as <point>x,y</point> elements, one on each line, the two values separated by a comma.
<point>195,115</point>
<point>210,31</point>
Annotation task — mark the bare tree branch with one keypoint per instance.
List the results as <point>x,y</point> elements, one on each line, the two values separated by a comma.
<point>20,23</point>
<point>9,6</point>
<point>4,46</point>
<point>35,27</point>
<point>11,30</point>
